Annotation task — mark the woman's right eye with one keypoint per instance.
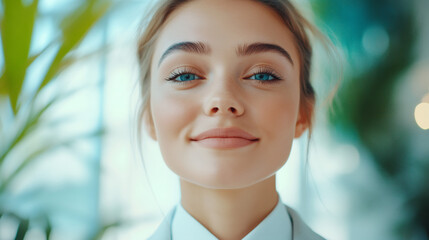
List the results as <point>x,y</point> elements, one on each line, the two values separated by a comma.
<point>183,77</point>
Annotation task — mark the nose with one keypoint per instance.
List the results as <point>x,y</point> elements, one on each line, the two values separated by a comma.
<point>223,101</point>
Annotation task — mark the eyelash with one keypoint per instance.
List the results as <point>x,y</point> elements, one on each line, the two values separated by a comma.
<point>262,70</point>
<point>178,73</point>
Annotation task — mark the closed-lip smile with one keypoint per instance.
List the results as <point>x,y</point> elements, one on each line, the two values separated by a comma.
<point>224,138</point>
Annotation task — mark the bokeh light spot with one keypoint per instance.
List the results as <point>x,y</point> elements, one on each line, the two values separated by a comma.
<point>421,114</point>
<point>375,40</point>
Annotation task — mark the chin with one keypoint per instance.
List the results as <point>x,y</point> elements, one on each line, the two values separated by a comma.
<point>225,182</point>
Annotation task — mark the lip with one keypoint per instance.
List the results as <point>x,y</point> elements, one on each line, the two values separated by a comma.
<point>222,138</point>
<point>231,132</point>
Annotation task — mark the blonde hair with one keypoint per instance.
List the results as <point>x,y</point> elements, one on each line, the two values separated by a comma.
<point>292,18</point>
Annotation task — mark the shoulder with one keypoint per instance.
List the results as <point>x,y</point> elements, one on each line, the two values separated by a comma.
<point>163,232</point>
<point>300,230</point>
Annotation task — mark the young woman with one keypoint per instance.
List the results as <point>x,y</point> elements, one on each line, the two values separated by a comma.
<point>225,90</point>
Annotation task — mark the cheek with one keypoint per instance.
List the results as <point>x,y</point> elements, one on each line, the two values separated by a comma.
<point>171,114</point>
<point>278,115</point>
<point>277,118</point>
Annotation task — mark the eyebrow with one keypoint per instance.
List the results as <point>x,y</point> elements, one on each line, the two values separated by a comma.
<point>249,49</point>
<point>241,51</point>
<point>190,47</point>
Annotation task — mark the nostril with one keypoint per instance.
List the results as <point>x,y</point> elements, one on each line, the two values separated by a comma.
<point>230,109</point>
<point>215,109</point>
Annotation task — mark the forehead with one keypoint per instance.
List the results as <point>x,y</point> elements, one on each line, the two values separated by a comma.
<point>223,24</point>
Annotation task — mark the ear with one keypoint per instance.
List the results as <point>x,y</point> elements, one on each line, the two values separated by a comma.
<point>301,125</point>
<point>148,123</point>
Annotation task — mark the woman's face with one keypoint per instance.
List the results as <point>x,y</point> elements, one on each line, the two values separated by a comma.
<point>225,64</point>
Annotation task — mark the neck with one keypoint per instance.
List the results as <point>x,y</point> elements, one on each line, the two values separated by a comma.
<point>230,213</point>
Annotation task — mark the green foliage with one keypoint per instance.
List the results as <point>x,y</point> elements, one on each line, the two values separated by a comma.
<point>16,45</point>
<point>74,28</point>
<point>24,224</point>
<point>367,109</point>
<point>24,109</point>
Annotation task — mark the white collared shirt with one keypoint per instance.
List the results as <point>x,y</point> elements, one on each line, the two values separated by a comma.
<point>276,226</point>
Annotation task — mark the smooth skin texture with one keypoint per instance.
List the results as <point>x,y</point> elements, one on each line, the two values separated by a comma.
<point>229,191</point>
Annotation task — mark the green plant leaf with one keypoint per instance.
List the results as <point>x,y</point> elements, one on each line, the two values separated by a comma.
<point>33,58</point>
<point>16,31</point>
<point>27,128</point>
<point>70,60</point>
<point>104,228</point>
<point>3,86</point>
<point>48,229</point>
<point>34,119</point>
<point>22,229</point>
<point>74,28</point>
<point>47,147</point>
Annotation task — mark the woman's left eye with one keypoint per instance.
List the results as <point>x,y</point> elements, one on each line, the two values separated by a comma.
<point>186,77</point>
<point>262,77</point>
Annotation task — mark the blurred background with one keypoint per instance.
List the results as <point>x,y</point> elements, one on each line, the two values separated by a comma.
<point>69,164</point>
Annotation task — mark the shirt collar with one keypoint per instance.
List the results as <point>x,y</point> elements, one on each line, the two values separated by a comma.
<point>277,225</point>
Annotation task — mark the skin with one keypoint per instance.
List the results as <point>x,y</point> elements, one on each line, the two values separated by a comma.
<point>229,191</point>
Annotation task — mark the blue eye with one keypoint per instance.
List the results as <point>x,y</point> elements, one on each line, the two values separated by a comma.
<point>186,77</point>
<point>262,77</point>
<point>183,76</point>
<point>265,76</point>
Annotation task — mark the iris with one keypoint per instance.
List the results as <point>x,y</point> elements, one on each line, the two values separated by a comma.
<point>187,77</point>
<point>262,77</point>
